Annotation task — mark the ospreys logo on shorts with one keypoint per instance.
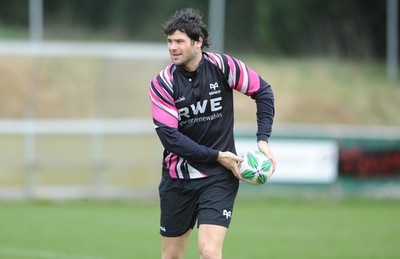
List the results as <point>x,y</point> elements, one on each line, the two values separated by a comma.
<point>227,214</point>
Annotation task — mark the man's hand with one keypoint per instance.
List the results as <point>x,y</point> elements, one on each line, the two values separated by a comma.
<point>264,147</point>
<point>230,161</point>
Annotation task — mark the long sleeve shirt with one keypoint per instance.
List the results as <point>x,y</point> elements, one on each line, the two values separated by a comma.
<point>193,113</point>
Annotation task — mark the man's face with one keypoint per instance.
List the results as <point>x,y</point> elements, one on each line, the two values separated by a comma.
<point>183,50</point>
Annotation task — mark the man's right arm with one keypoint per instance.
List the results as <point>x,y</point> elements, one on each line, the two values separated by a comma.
<point>165,118</point>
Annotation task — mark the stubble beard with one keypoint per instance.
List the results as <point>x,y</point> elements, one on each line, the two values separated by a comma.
<point>187,59</point>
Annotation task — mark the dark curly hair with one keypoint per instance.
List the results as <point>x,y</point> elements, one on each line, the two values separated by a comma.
<point>189,21</point>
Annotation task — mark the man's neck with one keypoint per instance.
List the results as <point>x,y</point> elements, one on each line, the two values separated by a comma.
<point>193,66</point>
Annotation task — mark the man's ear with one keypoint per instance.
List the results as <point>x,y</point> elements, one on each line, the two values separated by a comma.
<point>200,42</point>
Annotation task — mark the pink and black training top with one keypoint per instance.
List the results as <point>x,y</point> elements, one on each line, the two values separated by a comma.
<point>193,113</point>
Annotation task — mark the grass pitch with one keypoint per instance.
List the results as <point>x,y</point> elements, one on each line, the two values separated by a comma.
<point>263,228</point>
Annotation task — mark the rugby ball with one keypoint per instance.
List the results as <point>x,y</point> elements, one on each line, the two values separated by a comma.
<point>256,167</point>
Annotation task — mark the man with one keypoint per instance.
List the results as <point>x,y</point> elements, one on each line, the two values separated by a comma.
<point>192,109</point>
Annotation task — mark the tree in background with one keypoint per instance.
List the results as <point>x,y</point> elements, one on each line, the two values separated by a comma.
<point>347,28</point>
<point>354,28</point>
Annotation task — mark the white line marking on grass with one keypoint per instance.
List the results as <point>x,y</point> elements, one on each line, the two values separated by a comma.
<point>36,253</point>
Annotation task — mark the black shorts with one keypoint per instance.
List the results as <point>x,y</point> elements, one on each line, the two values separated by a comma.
<point>208,200</point>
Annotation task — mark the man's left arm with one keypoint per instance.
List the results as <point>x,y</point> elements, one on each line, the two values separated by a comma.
<point>264,99</point>
<point>247,81</point>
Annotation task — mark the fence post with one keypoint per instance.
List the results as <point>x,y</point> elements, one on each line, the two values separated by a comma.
<point>36,20</point>
<point>216,10</point>
<point>30,158</point>
<point>392,40</point>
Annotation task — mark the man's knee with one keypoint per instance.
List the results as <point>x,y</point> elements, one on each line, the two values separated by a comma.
<point>209,250</point>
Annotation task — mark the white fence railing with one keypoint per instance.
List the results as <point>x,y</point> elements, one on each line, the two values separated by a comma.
<point>148,50</point>
<point>76,126</point>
